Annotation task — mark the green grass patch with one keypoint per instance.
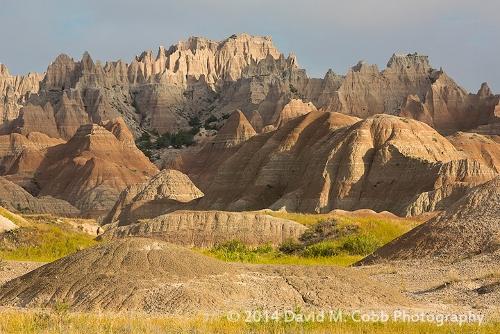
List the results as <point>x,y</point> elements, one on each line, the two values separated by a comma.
<point>236,251</point>
<point>42,239</point>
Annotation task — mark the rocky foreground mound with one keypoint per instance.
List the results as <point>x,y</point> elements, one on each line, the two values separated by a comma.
<point>324,161</point>
<point>470,227</point>
<point>146,275</point>
<point>209,228</point>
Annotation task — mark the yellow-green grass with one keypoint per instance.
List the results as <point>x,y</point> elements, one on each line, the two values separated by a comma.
<point>384,228</point>
<point>275,257</point>
<point>41,238</point>
<point>27,322</point>
<point>373,230</point>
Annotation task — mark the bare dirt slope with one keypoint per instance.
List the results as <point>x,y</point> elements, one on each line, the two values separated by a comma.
<point>154,276</point>
<point>469,227</point>
<point>472,283</point>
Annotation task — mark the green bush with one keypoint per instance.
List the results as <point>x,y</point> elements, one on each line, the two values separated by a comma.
<point>360,245</point>
<point>195,122</point>
<point>177,140</point>
<point>322,249</point>
<point>234,250</point>
<point>291,246</point>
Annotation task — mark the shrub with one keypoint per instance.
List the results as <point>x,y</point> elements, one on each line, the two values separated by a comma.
<point>234,250</point>
<point>322,249</point>
<point>195,122</point>
<point>177,140</point>
<point>360,245</point>
<point>291,246</point>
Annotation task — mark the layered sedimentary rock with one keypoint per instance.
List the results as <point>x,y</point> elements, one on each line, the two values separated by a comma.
<point>159,92</point>
<point>162,193</point>
<point>325,161</point>
<point>203,78</point>
<point>235,131</point>
<point>469,227</point>
<point>482,148</point>
<point>293,109</point>
<point>93,167</point>
<point>209,228</point>
<point>15,198</point>
<point>15,91</point>
<point>22,155</point>
<point>449,108</point>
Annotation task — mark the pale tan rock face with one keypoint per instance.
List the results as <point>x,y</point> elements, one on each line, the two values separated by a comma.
<point>203,78</point>
<point>325,161</point>
<point>15,91</point>
<point>366,91</point>
<point>449,108</point>
<point>209,228</point>
<point>160,194</point>
<point>92,168</point>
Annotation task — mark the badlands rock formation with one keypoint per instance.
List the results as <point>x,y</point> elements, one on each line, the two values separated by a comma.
<point>15,91</point>
<point>235,131</point>
<point>325,161</point>
<point>203,78</point>
<point>209,228</point>
<point>293,109</point>
<point>162,193</point>
<point>469,227</point>
<point>21,156</point>
<point>15,198</point>
<point>482,148</point>
<point>157,277</point>
<point>93,167</point>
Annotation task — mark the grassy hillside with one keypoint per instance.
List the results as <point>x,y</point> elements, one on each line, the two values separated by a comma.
<point>333,239</point>
<point>42,238</point>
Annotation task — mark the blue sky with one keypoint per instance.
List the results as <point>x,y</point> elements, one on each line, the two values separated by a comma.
<point>461,36</point>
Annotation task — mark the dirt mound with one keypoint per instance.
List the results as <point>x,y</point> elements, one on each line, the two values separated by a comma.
<point>93,167</point>
<point>469,227</point>
<point>325,161</point>
<point>208,228</point>
<point>159,195</point>
<point>146,275</point>
<point>15,198</point>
